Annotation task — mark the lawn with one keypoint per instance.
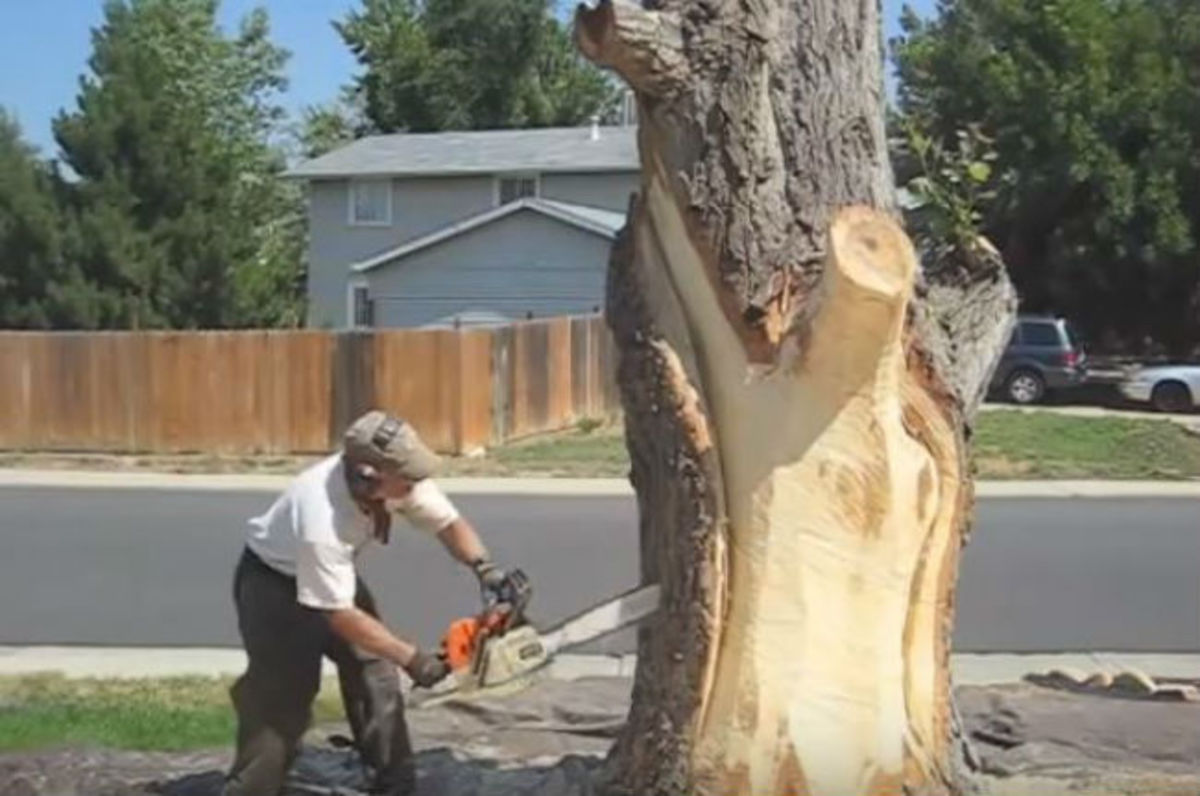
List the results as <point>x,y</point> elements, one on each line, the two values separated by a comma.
<point>1008,445</point>
<point>1037,445</point>
<point>589,451</point>
<point>167,714</point>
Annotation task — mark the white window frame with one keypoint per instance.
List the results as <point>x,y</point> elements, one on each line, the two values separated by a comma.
<point>517,175</point>
<point>353,286</point>
<point>354,222</point>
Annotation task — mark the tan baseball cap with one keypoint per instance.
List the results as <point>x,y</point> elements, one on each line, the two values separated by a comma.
<point>389,443</point>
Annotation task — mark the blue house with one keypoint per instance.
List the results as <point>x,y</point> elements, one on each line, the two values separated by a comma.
<point>465,228</point>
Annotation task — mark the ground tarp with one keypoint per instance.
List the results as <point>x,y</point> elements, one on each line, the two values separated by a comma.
<point>549,740</point>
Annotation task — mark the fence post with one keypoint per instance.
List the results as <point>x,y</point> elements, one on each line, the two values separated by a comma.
<point>461,383</point>
<point>353,381</point>
<point>578,367</point>
<point>502,383</point>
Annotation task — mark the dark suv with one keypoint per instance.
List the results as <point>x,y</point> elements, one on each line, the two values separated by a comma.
<point>1044,354</point>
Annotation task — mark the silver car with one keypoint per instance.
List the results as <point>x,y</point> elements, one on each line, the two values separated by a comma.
<point>1168,388</point>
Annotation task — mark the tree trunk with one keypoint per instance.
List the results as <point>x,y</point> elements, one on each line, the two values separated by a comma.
<point>797,396</point>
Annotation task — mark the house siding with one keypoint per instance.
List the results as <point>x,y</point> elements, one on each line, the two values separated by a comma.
<point>523,263</point>
<point>420,206</point>
<point>609,191</point>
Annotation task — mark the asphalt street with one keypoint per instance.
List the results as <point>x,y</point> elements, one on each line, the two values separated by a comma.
<point>153,568</point>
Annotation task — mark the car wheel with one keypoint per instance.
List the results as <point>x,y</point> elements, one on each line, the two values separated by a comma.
<point>1025,387</point>
<point>1171,397</point>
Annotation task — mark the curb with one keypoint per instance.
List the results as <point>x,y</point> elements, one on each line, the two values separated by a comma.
<point>143,662</point>
<point>232,482</point>
<point>571,487</point>
<point>1087,489</point>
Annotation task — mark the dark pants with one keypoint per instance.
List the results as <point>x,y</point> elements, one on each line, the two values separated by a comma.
<point>285,643</point>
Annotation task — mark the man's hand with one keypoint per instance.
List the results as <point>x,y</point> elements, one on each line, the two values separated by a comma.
<point>500,586</point>
<point>427,670</point>
<point>493,582</point>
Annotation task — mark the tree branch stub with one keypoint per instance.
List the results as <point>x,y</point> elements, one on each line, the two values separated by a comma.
<point>641,45</point>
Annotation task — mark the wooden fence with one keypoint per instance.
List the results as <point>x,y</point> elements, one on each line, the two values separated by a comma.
<point>294,391</point>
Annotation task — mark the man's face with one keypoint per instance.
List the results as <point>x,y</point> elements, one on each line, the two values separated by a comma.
<point>393,486</point>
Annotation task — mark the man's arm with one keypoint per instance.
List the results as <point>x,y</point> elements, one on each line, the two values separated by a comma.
<point>430,509</point>
<point>362,630</point>
<point>462,542</point>
<point>366,632</point>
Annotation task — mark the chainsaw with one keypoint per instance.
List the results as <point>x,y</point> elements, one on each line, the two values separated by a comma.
<point>500,645</point>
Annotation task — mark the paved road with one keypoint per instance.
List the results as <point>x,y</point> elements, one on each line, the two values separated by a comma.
<point>83,566</point>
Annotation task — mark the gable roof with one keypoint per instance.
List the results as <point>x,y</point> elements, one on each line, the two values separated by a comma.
<point>574,149</point>
<point>604,223</point>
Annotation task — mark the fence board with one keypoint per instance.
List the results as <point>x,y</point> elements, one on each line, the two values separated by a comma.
<point>295,391</point>
<point>560,406</point>
<point>531,383</point>
<point>474,424</point>
<point>410,378</point>
<point>581,341</point>
<point>310,388</point>
<point>503,383</point>
<point>16,363</point>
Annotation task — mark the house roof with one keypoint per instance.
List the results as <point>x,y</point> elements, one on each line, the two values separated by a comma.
<point>575,149</point>
<point>605,223</point>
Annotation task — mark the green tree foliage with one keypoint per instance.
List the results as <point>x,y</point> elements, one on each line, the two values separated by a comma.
<point>326,127</point>
<point>470,64</point>
<point>181,218</point>
<point>949,188</point>
<point>1093,110</point>
<point>39,287</point>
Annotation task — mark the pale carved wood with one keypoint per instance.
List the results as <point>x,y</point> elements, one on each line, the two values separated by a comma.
<point>798,393</point>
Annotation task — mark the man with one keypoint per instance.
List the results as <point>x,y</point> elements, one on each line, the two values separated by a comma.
<point>299,599</point>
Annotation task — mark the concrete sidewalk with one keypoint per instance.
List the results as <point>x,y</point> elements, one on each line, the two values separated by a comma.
<point>140,662</point>
<point>592,487</point>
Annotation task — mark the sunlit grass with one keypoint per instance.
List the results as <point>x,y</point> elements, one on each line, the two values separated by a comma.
<point>159,714</point>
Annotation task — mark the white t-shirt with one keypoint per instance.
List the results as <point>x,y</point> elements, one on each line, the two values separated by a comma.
<point>314,531</point>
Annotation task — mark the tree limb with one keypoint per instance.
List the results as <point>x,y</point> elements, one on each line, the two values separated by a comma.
<point>644,47</point>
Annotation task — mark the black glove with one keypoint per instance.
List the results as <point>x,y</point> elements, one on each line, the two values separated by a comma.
<point>427,670</point>
<point>493,582</point>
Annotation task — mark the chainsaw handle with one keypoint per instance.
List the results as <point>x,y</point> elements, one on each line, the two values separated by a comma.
<point>513,591</point>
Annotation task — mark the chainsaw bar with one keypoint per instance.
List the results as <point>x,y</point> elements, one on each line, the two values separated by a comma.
<point>603,619</point>
<point>538,649</point>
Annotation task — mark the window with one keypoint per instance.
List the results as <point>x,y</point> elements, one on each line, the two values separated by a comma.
<point>511,189</point>
<point>371,203</point>
<point>1073,338</point>
<point>1044,334</point>
<point>362,307</point>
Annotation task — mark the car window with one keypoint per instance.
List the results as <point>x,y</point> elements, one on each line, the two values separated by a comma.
<point>1040,334</point>
<point>1073,338</point>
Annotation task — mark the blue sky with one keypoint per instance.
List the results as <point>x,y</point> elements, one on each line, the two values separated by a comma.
<point>44,46</point>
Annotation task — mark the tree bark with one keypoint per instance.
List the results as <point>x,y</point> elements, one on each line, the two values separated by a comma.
<point>798,396</point>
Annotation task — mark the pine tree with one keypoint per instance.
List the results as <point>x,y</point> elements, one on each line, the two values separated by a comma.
<point>182,220</point>
<point>39,287</point>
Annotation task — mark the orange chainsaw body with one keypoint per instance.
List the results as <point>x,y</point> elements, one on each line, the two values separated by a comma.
<point>465,637</point>
<point>477,647</point>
